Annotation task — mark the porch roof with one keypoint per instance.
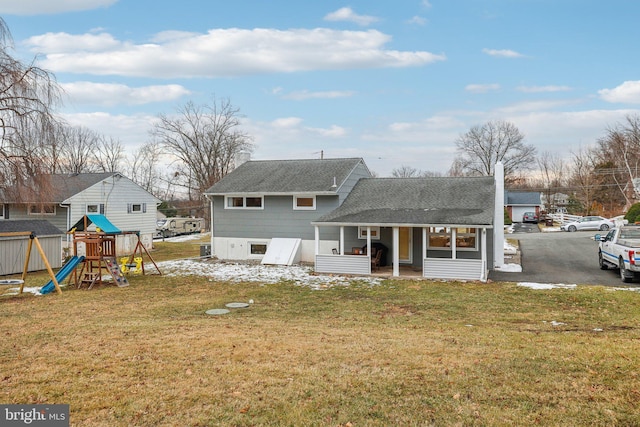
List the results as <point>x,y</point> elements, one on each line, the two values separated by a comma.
<point>462,201</point>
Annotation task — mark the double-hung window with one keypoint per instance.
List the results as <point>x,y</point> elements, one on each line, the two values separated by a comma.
<point>42,209</point>
<point>95,208</point>
<point>244,202</point>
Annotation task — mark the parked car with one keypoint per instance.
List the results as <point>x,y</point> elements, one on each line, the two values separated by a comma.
<point>530,217</point>
<point>588,223</point>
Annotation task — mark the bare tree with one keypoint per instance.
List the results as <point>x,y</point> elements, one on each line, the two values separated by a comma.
<point>405,172</point>
<point>80,145</point>
<point>205,139</point>
<point>551,168</point>
<point>496,141</point>
<point>109,155</point>
<point>144,169</point>
<point>28,95</point>
<point>583,178</point>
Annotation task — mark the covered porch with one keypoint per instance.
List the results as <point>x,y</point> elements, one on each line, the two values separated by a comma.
<point>424,250</point>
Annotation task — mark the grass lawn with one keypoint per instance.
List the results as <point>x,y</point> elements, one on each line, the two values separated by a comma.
<point>401,353</point>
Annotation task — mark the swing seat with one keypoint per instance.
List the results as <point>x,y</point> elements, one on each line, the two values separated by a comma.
<point>11,282</point>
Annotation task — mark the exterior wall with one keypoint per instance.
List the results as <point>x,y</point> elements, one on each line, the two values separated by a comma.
<point>277,219</point>
<point>233,248</point>
<point>13,252</point>
<point>360,171</point>
<point>59,219</point>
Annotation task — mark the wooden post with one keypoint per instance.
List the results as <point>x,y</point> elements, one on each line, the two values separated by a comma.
<point>46,263</point>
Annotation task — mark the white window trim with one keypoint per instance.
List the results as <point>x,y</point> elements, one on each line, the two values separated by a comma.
<point>304,208</point>
<point>244,202</point>
<point>1,210</point>
<point>449,234</point>
<point>42,211</point>
<point>362,232</point>
<point>143,208</point>
<point>100,207</point>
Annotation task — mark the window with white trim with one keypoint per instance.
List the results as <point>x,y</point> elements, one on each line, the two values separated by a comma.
<point>375,232</point>
<point>136,208</point>
<point>96,208</point>
<point>243,202</point>
<point>304,203</point>
<point>43,209</point>
<point>440,238</point>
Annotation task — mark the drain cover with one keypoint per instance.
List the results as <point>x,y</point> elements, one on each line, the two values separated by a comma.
<point>237,305</point>
<point>214,311</point>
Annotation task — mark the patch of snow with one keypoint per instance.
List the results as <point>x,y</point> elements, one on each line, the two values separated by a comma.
<point>25,290</point>
<point>183,238</point>
<point>554,323</point>
<point>627,289</point>
<point>509,248</point>
<point>544,286</point>
<point>550,229</point>
<point>267,274</point>
<point>510,268</point>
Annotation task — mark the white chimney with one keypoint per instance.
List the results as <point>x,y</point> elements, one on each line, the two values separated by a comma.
<point>242,157</point>
<point>498,221</point>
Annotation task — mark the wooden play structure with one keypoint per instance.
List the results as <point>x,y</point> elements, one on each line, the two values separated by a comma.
<point>32,239</point>
<point>100,252</point>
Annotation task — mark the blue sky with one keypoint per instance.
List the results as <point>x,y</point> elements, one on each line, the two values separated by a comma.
<point>393,82</point>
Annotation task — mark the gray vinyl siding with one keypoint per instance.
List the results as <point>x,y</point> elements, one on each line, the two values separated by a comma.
<point>360,171</point>
<point>277,219</point>
<point>59,219</point>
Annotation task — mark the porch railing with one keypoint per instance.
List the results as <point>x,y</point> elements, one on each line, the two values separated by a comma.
<point>343,264</point>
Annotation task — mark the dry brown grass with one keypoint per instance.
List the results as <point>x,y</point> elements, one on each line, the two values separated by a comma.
<point>403,353</point>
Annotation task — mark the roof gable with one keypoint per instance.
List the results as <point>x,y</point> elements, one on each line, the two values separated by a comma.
<point>450,200</point>
<point>286,176</point>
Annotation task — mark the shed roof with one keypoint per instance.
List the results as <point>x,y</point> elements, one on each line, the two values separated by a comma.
<point>41,227</point>
<point>417,201</point>
<point>286,176</point>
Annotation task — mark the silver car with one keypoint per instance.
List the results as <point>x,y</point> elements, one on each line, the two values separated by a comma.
<point>588,223</point>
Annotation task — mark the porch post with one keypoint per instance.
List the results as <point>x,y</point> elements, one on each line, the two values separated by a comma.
<point>342,240</point>
<point>454,241</point>
<point>396,251</point>
<point>317,239</point>
<point>483,250</point>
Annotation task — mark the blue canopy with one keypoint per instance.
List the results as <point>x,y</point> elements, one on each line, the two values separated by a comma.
<point>100,221</point>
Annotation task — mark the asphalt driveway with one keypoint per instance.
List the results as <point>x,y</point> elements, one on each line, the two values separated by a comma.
<point>559,257</point>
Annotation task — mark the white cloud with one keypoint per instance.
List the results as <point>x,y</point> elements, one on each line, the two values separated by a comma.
<point>45,7</point>
<point>131,130</point>
<point>347,14</point>
<point>503,53</point>
<point>417,20</point>
<point>223,53</point>
<point>331,132</point>
<point>539,89</point>
<point>305,94</point>
<point>482,88</point>
<point>627,92</point>
<point>108,94</point>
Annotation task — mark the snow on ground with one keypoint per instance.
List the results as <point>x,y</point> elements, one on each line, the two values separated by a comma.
<point>267,274</point>
<point>544,286</point>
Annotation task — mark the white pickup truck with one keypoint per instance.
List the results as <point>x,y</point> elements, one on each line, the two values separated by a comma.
<point>620,249</point>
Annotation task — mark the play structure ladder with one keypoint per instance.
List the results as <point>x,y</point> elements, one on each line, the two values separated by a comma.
<point>116,273</point>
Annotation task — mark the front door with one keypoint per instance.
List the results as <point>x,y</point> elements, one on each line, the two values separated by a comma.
<point>406,244</point>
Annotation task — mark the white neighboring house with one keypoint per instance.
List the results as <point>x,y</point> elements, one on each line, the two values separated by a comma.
<point>71,196</point>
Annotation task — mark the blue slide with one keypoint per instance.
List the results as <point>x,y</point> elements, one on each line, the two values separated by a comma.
<point>62,274</point>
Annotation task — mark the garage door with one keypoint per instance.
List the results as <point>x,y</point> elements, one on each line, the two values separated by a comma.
<point>518,211</point>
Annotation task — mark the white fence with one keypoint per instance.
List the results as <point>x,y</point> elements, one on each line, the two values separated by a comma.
<point>563,218</point>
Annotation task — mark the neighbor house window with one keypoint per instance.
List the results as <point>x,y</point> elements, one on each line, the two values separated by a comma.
<point>42,209</point>
<point>257,248</point>
<point>304,203</point>
<point>95,209</point>
<point>375,233</point>
<point>136,208</point>
<point>241,202</point>
<point>466,238</point>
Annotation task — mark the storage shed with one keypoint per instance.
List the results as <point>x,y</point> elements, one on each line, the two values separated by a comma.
<point>13,246</point>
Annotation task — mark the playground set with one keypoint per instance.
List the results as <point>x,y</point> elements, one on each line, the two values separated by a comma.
<point>99,254</point>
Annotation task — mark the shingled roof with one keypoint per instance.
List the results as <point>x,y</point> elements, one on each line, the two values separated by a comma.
<point>40,227</point>
<point>532,198</point>
<point>286,176</point>
<point>417,201</point>
<point>60,187</point>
